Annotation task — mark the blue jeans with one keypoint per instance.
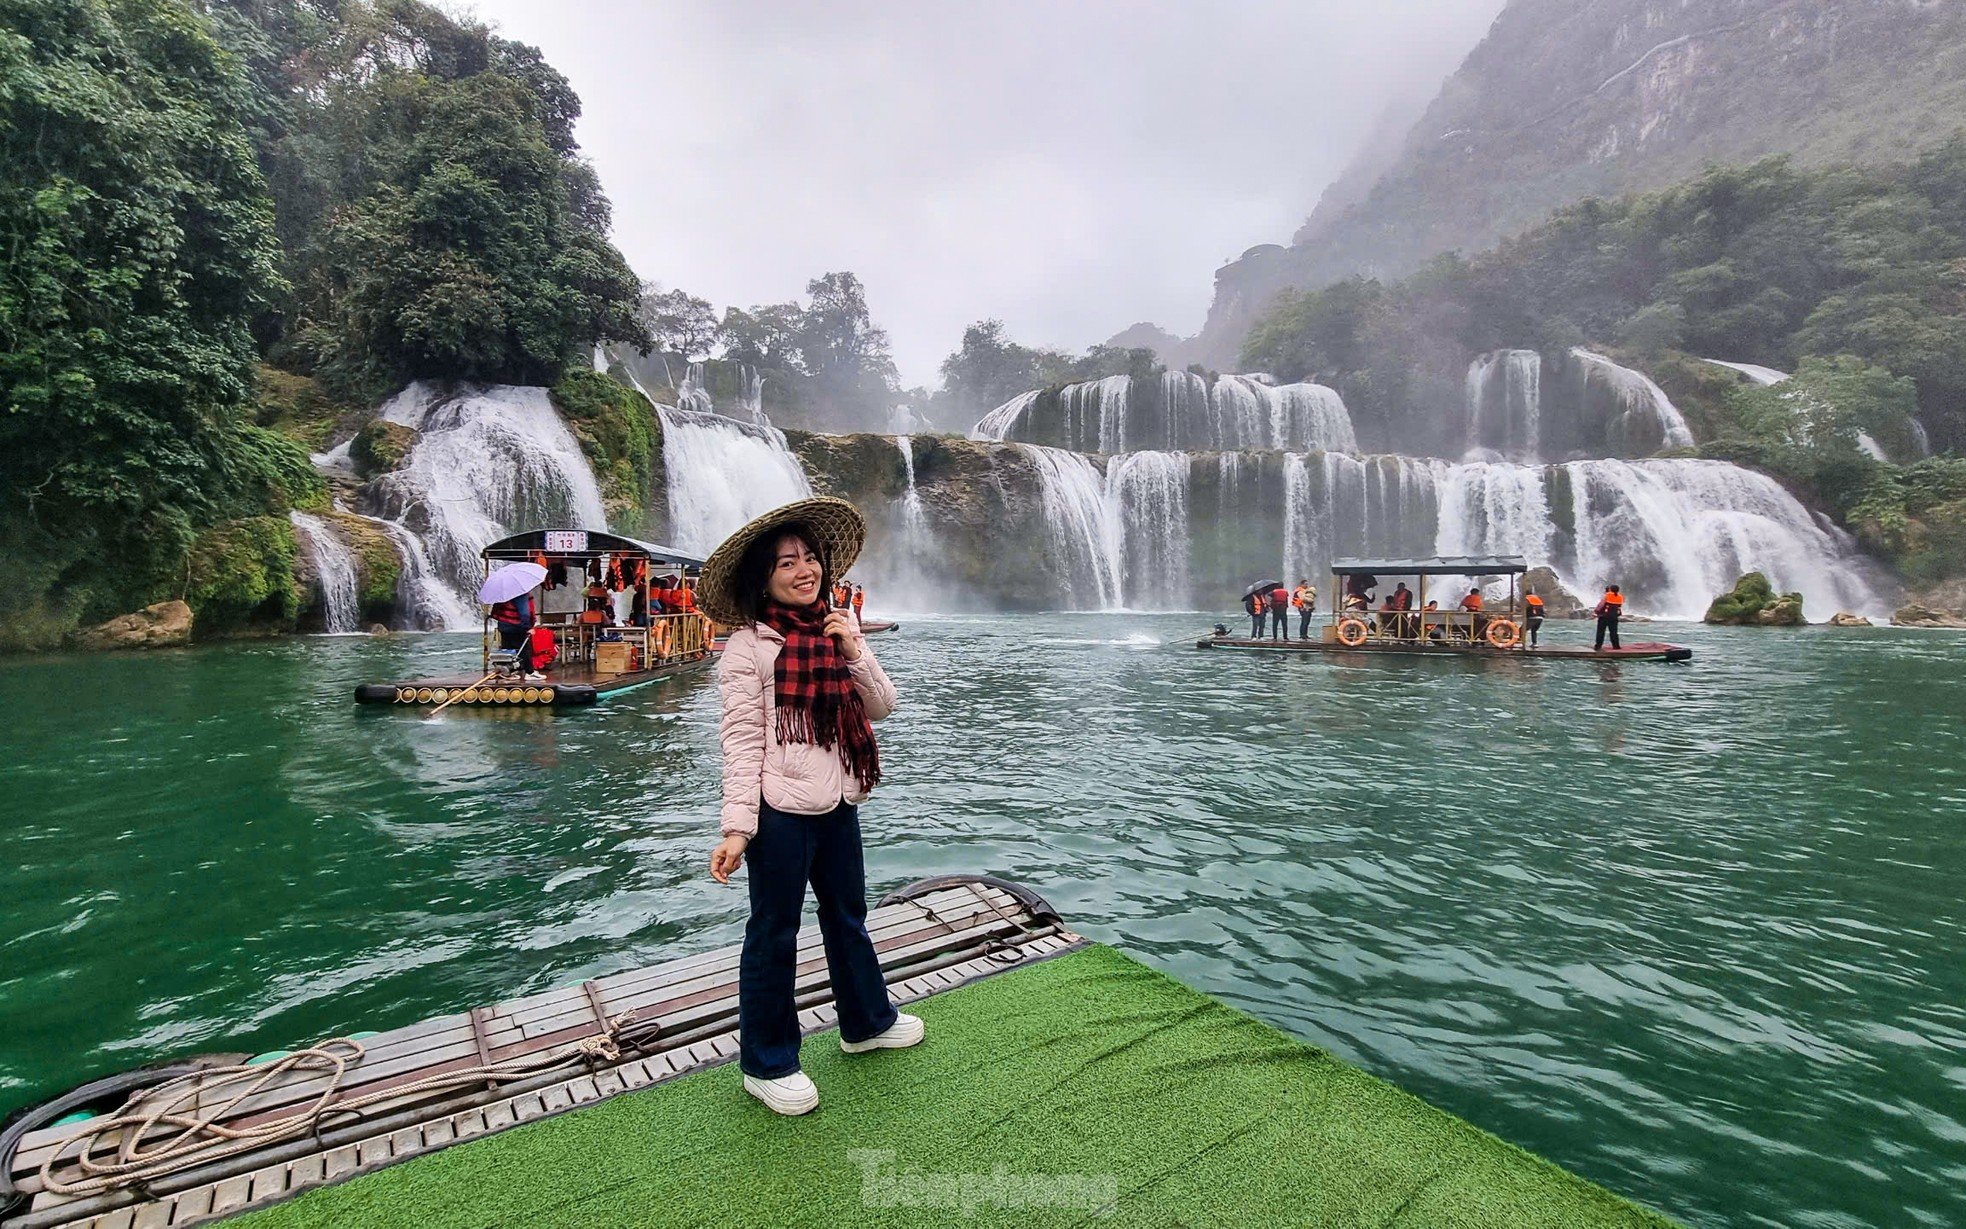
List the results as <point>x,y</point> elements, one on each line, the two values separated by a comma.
<point>788,852</point>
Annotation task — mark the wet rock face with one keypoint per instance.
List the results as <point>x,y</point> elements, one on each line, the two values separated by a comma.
<point>1844,618</point>
<point>154,627</point>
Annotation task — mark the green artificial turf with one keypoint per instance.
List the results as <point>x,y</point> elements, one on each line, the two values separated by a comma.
<point>1088,1087</point>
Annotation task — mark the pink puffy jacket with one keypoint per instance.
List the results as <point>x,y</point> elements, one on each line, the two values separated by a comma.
<point>802,778</point>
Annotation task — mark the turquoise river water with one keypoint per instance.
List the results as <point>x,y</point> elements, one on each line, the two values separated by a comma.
<point>1695,932</point>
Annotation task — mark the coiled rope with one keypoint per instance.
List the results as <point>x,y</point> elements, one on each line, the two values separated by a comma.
<point>189,1107</point>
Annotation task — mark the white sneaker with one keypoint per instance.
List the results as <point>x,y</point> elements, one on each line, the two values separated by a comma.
<point>535,677</point>
<point>906,1031</point>
<point>788,1094</point>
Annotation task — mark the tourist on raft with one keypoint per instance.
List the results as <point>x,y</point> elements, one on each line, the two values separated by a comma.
<point>1279,613</point>
<point>1610,608</point>
<point>1471,607</point>
<point>1532,621</point>
<point>1304,598</point>
<point>800,691</point>
<point>1252,602</point>
<point>515,619</point>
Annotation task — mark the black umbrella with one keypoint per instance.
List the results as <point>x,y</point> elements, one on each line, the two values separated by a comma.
<point>1264,586</point>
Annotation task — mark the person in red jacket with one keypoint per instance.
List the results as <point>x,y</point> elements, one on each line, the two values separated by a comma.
<point>1279,613</point>
<point>543,648</point>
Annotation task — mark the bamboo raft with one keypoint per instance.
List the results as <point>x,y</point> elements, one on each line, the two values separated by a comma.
<point>568,686</point>
<point>509,1063</point>
<point>1645,650</point>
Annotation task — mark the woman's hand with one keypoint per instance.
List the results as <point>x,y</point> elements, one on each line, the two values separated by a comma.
<point>727,857</point>
<point>839,625</point>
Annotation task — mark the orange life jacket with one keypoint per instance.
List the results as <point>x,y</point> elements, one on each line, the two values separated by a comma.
<point>1613,599</point>
<point>1471,602</point>
<point>1305,597</point>
<point>859,600</point>
<point>1534,603</point>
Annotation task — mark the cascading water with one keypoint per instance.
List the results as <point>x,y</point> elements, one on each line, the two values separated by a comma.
<point>692,394</point>
<point>1641,419</point>
<point>1678,532</point>
<point>1505,406</point>
<point>334,571</point>
<point>488,461</point>
<point>722,473</point>
<point>1147,512</point>
<point>1083,536</point>
<point>1183,412</point>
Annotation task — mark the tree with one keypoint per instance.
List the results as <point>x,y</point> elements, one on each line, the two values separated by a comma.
<point>436,219</point>
<point>140,244</point>
<point>678,322</point>
<point>765,336</point>
<point>987,370</point>
<point>838,338</point>
<point>466,261</point>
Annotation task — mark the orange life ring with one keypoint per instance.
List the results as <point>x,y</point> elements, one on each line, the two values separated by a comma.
<point>662,638</point>
<point>1503,634</point>
<point>1352,632</point>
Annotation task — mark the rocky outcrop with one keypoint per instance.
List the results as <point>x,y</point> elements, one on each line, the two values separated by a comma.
<point>1753,602</point>
<point>1916,614</point>
<point>1844,618</point>
<point>1558,602</point>
<point>163,625</point>
<point>380,447</point>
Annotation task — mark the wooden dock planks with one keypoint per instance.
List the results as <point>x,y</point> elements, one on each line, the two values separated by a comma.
<point>944,937</point>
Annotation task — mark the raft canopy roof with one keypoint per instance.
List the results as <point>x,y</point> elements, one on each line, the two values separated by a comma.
<point>582,543</point>
<point>1439,565</point>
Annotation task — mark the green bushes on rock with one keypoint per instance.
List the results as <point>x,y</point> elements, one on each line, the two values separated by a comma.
<point>298,407</point>
<point>1753,602</point>
<point>378,566</point>
<point>241,576</point>
<point>620,433</point>
<point>380,446</point>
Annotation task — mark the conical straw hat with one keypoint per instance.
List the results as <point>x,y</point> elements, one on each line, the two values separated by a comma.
<point>837,529</point>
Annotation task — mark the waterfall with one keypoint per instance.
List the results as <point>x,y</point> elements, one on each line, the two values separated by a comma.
<point>751,394</point>
<point>1505,406</point>
<point>1642,419</point>
<point>1083,535</point>
<point>334,570</point>
<point>692,394</point>
<point>1760,375</point>
<point>1147,508</point>
<point>1677,533</point>
<point>1000,423</point>
<point>1251,412</point>
<point>722,473</point>
<point>1182,412</point>
<point>488,461</point>
<point>425,599</point>
<point>1489,509</point>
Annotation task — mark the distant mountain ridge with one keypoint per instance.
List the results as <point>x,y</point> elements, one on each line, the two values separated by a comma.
<point>1564,100</point>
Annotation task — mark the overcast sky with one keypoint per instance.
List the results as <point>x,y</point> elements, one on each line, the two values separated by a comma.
<point>1068,166</point>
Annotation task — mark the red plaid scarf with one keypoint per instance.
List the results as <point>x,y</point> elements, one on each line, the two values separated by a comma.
<point>814,695</point>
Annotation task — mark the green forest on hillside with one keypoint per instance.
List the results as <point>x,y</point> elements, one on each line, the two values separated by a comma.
<point>1853,278</point>
<point>359,192</point>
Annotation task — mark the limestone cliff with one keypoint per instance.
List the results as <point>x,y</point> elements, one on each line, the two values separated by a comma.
<point>1564,100</point>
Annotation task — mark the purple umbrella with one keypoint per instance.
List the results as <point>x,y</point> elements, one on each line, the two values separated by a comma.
<point>510,581</point>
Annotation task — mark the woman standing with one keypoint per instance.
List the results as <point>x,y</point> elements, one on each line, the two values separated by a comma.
<point>801,690</point>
